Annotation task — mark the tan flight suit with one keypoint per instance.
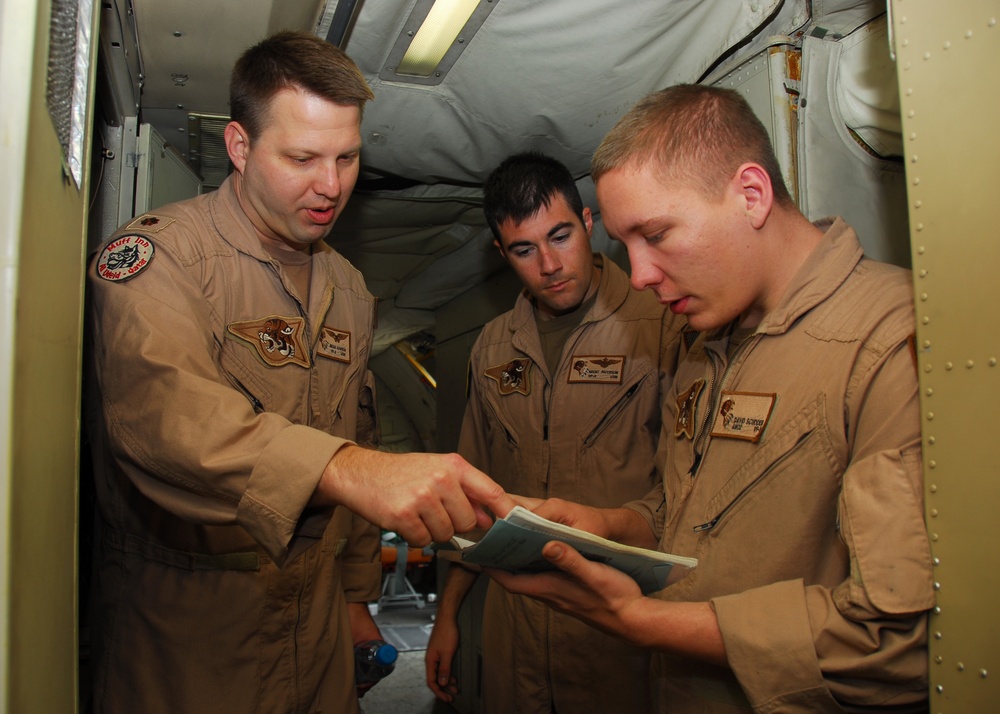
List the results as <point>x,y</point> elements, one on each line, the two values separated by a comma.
<point>586,433</point>
<point>219,399</point>
<point>793,475</point>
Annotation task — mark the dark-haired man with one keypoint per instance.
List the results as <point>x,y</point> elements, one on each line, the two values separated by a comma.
<point>791,444</point>
<point>230,396</point>
<point>565,393</point>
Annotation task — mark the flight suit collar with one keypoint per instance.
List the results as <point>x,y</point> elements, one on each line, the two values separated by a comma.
<point>823,272</point>
<point>611,293</point>
<point>235,227</point>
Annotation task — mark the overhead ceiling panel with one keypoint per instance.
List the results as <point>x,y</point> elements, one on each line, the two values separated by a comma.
<point>554,76</point>
<point>188,49</point>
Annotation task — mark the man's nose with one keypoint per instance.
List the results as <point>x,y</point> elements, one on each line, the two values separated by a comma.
<point>644,273</point>
<point>327,182</point>
<point>550,263</point>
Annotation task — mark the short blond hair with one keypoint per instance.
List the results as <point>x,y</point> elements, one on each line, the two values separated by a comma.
<point>693,134</point>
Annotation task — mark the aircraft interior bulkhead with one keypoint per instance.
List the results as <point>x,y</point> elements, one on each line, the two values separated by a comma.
<point>880,112</point>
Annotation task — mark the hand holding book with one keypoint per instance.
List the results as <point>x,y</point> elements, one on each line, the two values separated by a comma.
<point>515,543</point>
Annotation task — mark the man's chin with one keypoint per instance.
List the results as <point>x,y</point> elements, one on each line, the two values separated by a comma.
<point>310,237</point>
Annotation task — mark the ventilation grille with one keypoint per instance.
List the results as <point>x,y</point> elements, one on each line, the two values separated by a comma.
<point>66,84</point>
<point>207,148</point>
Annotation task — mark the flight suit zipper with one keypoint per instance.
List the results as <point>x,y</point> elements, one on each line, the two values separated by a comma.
<point>258,407</point>
<point>511,439</point>
<point>617,409</point>
<point>704,439</point>
<point>714,521</point>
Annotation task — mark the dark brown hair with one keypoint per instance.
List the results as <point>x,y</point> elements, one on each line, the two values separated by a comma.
<point>292,59</point>
<point>522,184</point>
<point>694,134</point>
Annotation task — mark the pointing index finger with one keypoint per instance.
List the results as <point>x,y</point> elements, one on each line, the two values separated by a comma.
<point>485,493</point>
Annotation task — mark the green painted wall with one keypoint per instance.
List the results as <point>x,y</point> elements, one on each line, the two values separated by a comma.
<point>944,53</point>
<point>40,516</point>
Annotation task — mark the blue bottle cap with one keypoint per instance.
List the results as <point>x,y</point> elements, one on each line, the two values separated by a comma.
<point>386,654</point>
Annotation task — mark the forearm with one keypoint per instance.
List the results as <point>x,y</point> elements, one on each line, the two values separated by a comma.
<point>363,627</point>
<point>629,527</point>
<point>444,639</point>
<point>686,629</point>
<point>457,584</point>
<point>330,487</point>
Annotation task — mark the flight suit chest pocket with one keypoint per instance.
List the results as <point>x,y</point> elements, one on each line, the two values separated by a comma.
<point>335,379</point>
<point>502,421</point>
<point>616,407</point>
<point>246,374</point>
<point>792,464</point>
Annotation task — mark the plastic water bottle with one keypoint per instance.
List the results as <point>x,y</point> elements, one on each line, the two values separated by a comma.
<point>373,660</point>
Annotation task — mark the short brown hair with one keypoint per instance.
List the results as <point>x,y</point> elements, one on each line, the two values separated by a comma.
<point>522,184</point>
<point>292,59</point>
<point>696,134</point>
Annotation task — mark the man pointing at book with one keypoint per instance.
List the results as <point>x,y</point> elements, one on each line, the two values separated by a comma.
<point>791,447</point>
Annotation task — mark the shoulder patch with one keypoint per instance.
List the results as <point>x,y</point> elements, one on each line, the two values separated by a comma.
<point>277,340</point>
<point>686,403</point>
<point>149,223</point>
<point>125,257</point>
<point>511,377</point>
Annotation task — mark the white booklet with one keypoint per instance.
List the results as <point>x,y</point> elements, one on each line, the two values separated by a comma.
<point>515,543</point>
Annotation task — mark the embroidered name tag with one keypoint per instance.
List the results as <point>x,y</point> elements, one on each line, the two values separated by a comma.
<point>277,340</point>
<point>149,223</point>
<point>335,344</point>
<point>743,415</point>
<point>125,257</point>
<point>686,403</point>
<point>596,369</point>
<point>511,377</point>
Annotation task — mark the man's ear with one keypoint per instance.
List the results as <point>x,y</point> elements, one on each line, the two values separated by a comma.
<point>237,144</point>
<point>499,246</point>
<point>756,192</point>
<point>588,220</point>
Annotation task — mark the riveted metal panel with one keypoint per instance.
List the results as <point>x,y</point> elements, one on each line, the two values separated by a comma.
<point>947,57</point>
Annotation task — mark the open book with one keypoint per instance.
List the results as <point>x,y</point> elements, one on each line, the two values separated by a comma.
<point>515,543</point>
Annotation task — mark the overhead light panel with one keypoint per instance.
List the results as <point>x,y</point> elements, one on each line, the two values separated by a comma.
<point>436,36</point>
<point>432,39</point>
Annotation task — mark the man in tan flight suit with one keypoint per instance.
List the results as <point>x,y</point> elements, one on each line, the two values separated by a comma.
<point>791,444</point>
<point>228,400</point>
<point>564,400</point>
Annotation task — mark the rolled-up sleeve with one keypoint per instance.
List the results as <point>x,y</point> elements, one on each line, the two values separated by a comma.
<point>185,436</point>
